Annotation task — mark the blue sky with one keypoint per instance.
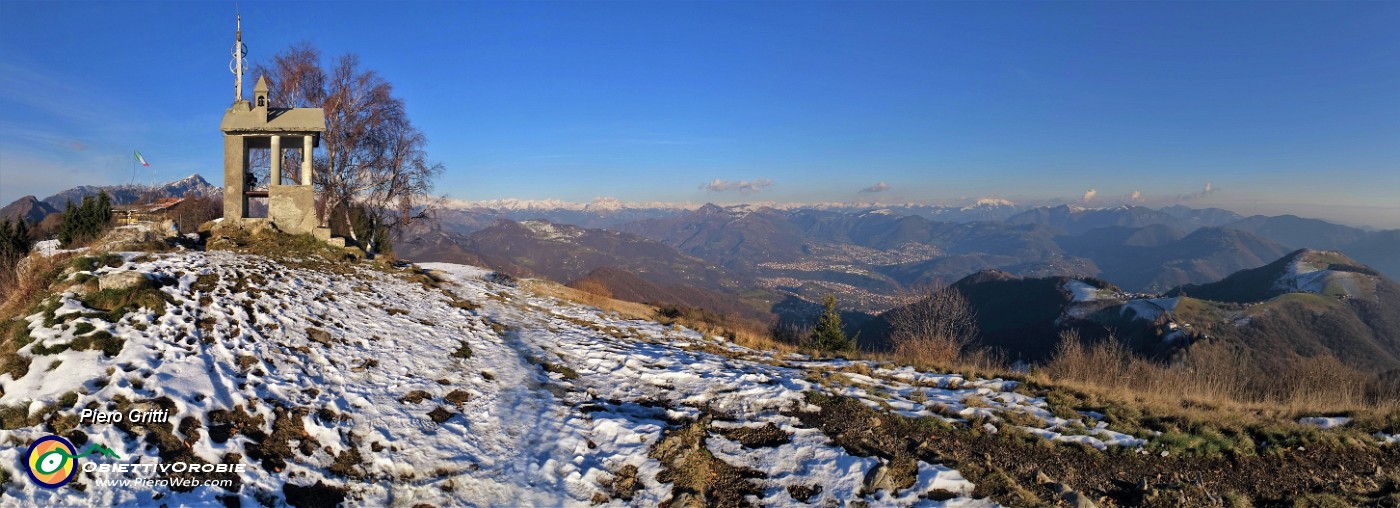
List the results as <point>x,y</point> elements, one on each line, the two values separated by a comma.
<point>1281,107</point>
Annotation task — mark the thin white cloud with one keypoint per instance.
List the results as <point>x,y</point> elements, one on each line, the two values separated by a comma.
<point>1089,195</point>
<point>58,99</point>
<point>742,186</point>
<point>878,187</point>
<point>1205,191</point>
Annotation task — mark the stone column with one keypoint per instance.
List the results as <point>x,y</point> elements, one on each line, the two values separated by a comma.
<point>276,162</point>
<point>235,164</point>
<point>306,159</point>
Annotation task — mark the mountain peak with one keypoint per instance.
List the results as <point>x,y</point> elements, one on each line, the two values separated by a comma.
<point>989,202</point>
<point>28,209</point>
<point>193,178</point>
<point>711,209</point>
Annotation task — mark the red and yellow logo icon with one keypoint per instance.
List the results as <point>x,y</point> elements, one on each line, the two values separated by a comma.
<point>52,462</point>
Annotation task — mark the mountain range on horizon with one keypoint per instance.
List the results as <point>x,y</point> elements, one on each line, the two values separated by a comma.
<point>865,252</point>
<point>32,209</point>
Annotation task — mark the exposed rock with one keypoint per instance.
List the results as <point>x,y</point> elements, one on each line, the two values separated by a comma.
<point>131,237</point>
<point>121,281</point>
<point>1077,500</point>
<point>236,228</point>
<point>319,335</point>
<point>878,478</point>
<point>1071,497</point>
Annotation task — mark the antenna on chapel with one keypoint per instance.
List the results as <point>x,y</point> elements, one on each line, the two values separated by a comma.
<point>240,51</point>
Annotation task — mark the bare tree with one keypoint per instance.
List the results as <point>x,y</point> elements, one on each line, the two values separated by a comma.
<point>195,211</point>
<point>374,174</point>
<point>295,77</point>
<point>934,327</point>
<point>400,182</point>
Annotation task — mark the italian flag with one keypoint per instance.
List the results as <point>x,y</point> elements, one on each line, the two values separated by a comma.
<point>141,159</point>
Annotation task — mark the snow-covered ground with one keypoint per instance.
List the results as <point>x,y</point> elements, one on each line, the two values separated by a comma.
<point>1315,277</point>
<point>1081,291</point>
<point>51,247</point>
<point>404,394</point>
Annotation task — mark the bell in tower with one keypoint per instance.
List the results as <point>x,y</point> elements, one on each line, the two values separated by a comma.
<point>260,98</point>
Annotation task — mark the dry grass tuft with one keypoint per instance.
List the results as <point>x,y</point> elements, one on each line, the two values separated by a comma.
<point>21,290</point>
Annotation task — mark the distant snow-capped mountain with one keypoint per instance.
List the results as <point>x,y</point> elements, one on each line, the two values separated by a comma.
<point>190,186</point>
<point>600,204</point>
<point>982,209</point>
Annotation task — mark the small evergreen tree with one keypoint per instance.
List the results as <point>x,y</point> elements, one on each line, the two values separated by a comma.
<point>14,239</point>
<point>5,234</point>
<point>102,214</point>
<point>20,241</point>
<point>65,228</point>
<point>827,335</point>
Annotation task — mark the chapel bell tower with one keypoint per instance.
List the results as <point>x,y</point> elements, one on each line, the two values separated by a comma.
<point>291,199</point>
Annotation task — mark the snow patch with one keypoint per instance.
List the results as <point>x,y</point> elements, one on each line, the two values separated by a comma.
<point>1325,422</point>
<point>1309,277</point>
<point>1081,291</point>
<point>546,231</point>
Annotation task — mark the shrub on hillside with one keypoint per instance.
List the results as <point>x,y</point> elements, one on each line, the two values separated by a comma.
<point>935,329</point>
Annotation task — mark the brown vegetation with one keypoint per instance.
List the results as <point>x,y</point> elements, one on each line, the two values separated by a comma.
<point>630,310</point>
<point>594,288</point>
<point>934,329</point>
<point>194,211</point>
<point>1212,378</point>
<point>21,288</point>
<point>698,478</point>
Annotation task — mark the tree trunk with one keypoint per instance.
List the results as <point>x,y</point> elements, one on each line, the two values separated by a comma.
<point>350,226</point>
<point>371,245</point>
